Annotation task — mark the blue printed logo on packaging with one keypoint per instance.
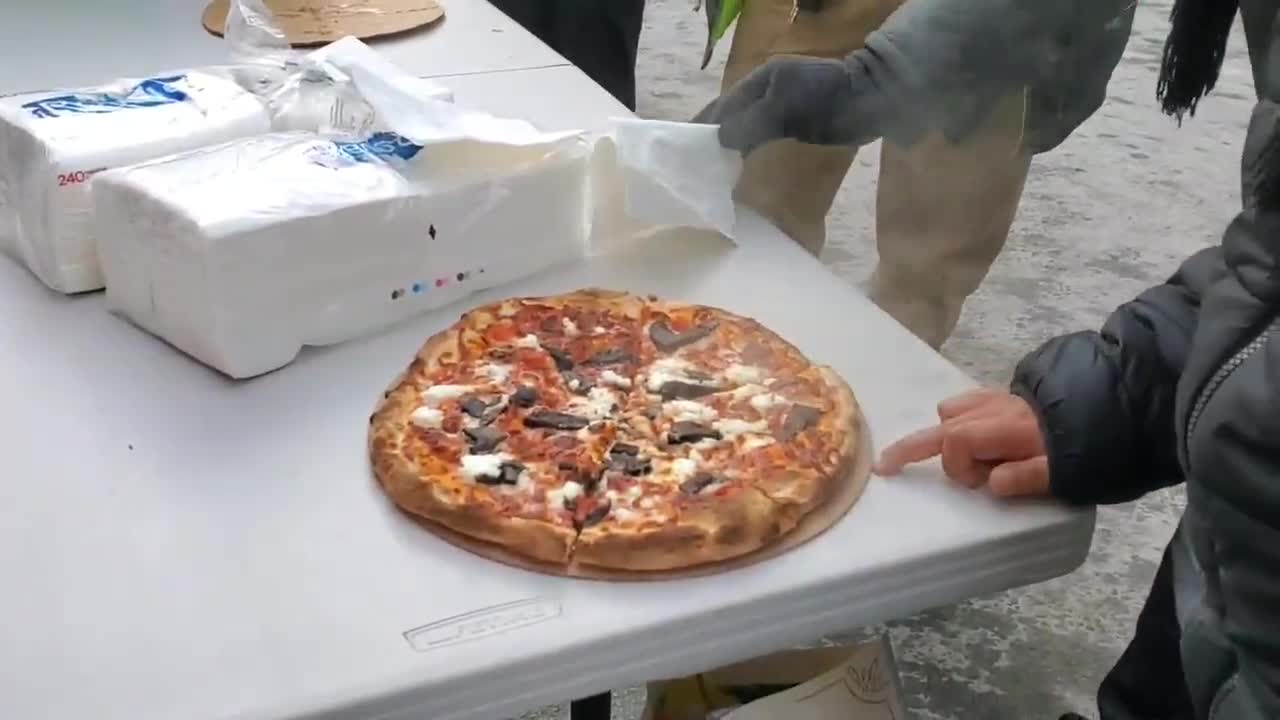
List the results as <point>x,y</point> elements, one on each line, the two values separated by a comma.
<point>387,146</point>
<point>148,93</point>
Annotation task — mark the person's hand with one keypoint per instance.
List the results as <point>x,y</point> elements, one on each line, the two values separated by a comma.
<point>805,99</point>
<point>985,437</point>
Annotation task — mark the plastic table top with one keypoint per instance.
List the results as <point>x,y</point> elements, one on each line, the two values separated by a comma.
<point>180,545</point>
<point>184,546</point>
<point>69,43</point>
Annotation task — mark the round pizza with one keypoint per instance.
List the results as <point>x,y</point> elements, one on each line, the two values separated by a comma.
<point>614,431</point>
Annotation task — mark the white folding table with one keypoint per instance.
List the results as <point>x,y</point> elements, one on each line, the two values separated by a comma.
<point>50,43</point>
<point>177,545</point>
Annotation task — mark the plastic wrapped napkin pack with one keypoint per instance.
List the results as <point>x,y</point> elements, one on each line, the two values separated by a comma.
<point>52,143</point>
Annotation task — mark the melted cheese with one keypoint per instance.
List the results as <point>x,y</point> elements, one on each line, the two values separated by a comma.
<point>427,417</point>
<point>674,364</point>
<point>744,374</point>
<point>754,442</point>
<point>570,328</point>
<point>559,497</point>
<point>497,373</point>
<point>478,466</point>
<point>609,377</point>
<point>689,411</point>
<point>684,469</point>
<point>729,427</point>
<point>764,401</point>
<point>437,395</point>
<point>597,405</point>
<point>528,341</point>
<point>747,391</point>
<point>670,369</point>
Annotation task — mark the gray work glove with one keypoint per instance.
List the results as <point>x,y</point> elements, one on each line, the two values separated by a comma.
<point>821,102</point>
<point>936,64</point>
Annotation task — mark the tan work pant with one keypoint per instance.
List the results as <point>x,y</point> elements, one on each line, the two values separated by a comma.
<point>943,210</point>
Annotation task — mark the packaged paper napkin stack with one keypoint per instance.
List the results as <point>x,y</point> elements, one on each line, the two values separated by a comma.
<point>242,253</point>
<point>52,144</point>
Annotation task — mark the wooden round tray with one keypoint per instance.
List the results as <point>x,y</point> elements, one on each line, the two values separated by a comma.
<point>317,22</point>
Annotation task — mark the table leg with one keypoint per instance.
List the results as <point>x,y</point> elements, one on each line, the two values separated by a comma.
<point>596,707</point>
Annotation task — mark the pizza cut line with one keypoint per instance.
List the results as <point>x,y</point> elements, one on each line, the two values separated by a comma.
<point>614,431</point>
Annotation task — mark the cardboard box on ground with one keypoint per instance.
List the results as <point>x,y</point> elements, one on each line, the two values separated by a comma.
<point>857,682</point>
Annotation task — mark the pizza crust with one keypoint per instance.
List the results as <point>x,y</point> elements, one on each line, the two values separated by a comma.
<point>623,303</point>
<point>708,530</point>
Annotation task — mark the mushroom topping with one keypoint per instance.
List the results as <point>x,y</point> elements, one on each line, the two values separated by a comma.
<point>563,360</point>
<point>613,356</point>
<point>668,340</point>
<point>799,419</point>
<point>698,483</point>
<point>484,439</point>
<point>555,420</point>
<point>525,396</point>
<point>687,431</point>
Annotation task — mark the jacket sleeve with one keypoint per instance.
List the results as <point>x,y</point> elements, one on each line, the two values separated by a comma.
<point>1243,518</point>
<point>1106,399</point>
<point>944,63</point>
<point>1237,492</point>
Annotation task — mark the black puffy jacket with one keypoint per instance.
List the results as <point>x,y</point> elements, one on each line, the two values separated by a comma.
<point>1183,385</point>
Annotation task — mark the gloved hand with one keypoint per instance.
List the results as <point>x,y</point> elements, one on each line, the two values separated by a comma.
<point>814,101</point>
<point>936,64</point>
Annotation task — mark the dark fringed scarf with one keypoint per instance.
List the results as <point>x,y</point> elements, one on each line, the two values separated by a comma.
<point>1193,53</point>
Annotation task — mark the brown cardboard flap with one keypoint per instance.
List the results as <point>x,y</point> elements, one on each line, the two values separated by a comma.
<point>858,682</point>
<point>788,666</point>
<point>317,22</point>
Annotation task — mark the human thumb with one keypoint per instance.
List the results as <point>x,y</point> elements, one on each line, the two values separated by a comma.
<point>1021,478</point>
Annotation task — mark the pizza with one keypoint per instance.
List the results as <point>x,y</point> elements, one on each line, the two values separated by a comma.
<point>613,431</point>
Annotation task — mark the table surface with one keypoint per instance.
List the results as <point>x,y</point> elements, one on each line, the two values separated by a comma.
<point>187,546</point>
<point>71,43</point>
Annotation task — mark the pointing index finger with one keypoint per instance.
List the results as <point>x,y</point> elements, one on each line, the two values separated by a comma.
<point>963,403</point>
<point>919,445</point>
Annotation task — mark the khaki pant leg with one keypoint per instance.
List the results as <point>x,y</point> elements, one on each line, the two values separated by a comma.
<point>792,184</point>
<point>943,213</point>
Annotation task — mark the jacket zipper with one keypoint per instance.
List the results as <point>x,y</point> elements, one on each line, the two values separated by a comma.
<point>1224,371</point>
